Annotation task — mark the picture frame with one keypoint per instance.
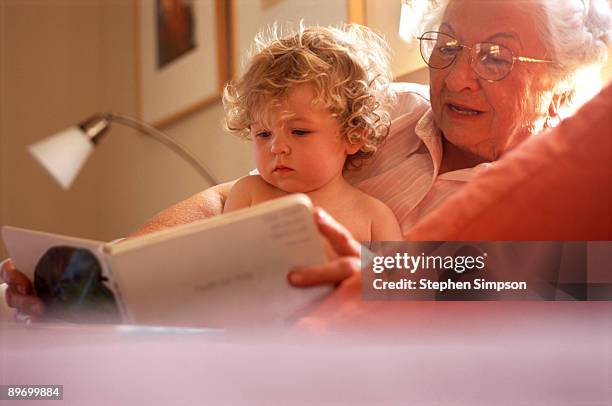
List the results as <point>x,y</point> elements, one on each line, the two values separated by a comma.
<point>174,81</point>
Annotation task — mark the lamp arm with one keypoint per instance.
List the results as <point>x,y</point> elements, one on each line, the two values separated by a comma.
<point>165,139</point>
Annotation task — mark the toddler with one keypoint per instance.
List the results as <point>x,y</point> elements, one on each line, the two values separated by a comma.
<point>315,104</point>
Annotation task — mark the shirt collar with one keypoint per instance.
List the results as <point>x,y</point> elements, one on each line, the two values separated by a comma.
<point>431,136</point>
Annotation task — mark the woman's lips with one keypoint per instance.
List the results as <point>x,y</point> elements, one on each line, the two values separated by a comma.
<point>463,111</point>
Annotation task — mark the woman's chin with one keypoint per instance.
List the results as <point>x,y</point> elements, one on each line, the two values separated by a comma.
<point>467,133</point>
<point>463,144</point>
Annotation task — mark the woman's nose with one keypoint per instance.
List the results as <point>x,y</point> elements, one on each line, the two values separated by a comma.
<point>279,145</point>
<point>460,74</point>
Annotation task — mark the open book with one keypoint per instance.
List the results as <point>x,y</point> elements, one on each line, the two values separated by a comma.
<point>225,271</point>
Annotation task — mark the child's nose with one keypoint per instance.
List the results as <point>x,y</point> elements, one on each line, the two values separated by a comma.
<point>280,146</point>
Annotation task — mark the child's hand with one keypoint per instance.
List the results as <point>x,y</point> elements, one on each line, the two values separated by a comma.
<point>20,294</point>
<point>344,254</point>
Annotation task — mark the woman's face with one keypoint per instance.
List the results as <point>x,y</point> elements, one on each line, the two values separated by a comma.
<point>488,118</point>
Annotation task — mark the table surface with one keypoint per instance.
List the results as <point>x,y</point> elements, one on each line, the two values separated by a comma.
<point>546,353</point>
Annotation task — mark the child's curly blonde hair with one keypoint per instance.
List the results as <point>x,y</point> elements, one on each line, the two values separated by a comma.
<point>347,66</point>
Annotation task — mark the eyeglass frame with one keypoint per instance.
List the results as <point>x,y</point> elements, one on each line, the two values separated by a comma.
<point>470,60</point>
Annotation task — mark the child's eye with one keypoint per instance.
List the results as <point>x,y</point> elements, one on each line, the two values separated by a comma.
<point>300,133</point>
<point>262,134</point>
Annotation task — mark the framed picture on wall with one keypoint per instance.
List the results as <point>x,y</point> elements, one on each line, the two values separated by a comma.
<point>182,57</point>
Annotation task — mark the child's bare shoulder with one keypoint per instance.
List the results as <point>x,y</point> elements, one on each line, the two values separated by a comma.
<point>384,223</point>
<point>367,202</point>
<point>251,182</point>
<point>258,188</point>
<point>248,191</point>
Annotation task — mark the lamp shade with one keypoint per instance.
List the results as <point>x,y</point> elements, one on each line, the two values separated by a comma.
<point>63,154</point>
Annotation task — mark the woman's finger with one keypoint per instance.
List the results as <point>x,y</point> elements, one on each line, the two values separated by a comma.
<point>27,304</point>
<point>24,318</point>
<point>16,279</point>
<point>338,236</point>
<point>5,266</point>
<point>331,272</point>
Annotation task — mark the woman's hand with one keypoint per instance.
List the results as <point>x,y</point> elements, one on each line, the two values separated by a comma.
<point>343,252</point>
<point>20,294</point>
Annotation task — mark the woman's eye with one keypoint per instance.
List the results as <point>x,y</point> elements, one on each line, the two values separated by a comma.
<point>450,50</point>
<point>498,61</point>
<point>300,133</point>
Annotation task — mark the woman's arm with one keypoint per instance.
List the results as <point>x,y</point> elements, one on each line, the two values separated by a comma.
<point>208,203</point>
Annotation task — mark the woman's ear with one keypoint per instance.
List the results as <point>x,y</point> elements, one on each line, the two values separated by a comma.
<point>558,104</point>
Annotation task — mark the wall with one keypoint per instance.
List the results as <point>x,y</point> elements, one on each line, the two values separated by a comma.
<point>51,70</point>
<point>383,16</point>
<point>2,158</point>
<point>60,61</point>
<point>249,17</point>
<point>64,60</point>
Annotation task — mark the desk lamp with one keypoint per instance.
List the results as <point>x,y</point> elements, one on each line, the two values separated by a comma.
<point>64,153</point>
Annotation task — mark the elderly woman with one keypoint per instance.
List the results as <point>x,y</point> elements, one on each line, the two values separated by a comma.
<point>500,72</point>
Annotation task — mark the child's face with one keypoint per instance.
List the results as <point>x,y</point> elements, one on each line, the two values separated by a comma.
<point>304,150</point>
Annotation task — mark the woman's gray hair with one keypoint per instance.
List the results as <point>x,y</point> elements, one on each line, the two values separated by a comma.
<point>576,33</point>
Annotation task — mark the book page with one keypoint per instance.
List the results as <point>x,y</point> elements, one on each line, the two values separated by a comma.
<point>225,273</point>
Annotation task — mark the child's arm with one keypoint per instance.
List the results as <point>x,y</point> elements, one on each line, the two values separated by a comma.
<point>384,224</point>
<point>249,191</point>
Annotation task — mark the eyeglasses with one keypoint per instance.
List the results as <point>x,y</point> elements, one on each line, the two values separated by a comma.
<point>69,281</point>
<point>490,61</point>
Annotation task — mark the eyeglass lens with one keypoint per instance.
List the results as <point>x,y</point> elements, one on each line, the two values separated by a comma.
<point>490,61</point>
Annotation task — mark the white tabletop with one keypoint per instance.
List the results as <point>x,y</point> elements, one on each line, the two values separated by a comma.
<point>461,353</point>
